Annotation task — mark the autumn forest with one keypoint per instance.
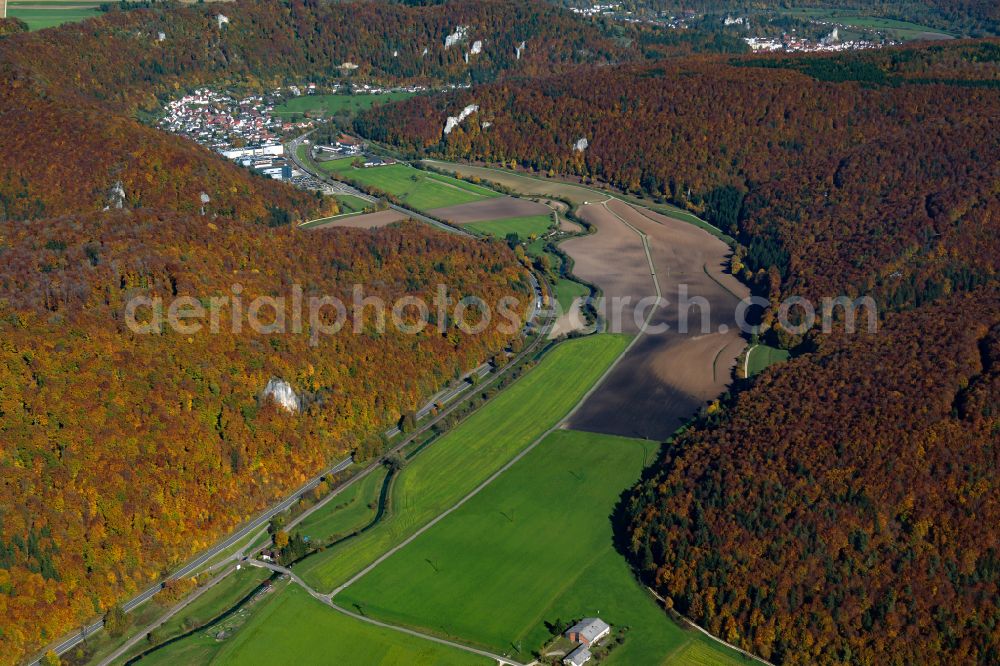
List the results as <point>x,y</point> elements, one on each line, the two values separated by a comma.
<point>839,508</point>
<point>835,510</point>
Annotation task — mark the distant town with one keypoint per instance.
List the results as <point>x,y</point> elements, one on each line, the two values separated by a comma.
<point>789,41</point>
<point>250,129</point>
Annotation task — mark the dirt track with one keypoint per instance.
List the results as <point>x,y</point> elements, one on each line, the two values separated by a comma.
<point>614,260</point>
<point>489,209</point>
<point>666,377</point>
<point>366,221</point>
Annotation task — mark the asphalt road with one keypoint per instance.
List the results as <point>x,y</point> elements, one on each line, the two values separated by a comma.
<point>444,397</point>
<point>72,641</point>
<point>291,153</point>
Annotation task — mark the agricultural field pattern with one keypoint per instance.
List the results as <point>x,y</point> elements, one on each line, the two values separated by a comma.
<point>499,332</point>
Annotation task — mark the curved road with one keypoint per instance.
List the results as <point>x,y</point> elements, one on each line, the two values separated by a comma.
<point>75,639</point>
<point>325,599</point>
<point>291,153</point>
<point>72,641</point>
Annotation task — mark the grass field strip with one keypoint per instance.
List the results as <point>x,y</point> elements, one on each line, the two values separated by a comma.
<point>357,477</point>
<point>328,601</point>
<point>670,211</point>
<point>649,258</point>
<point>652,270</point>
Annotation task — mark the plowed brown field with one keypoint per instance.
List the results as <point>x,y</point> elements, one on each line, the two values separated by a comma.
<point>489,209</point>
<point>367,221</point>
<point>666,376</point>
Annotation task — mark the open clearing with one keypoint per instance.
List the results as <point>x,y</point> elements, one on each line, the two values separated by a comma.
<point>328,105</point>
<point>577,195</point>
<point>39,15</point>
<point>417,189</point>
<point>570,319</point>
<point>534,546</point>
<point>381,218</point>
<point>524,227</point>
<point>467,455</point>
<point>763,356</point>
<point>491,209</point>
<point>521,184</point>
<point>902,30</point>
<point>667,376</point>
<point>348,511</point>
<point>290,627</point>
<point>568,291</point>
<point>351,204</point>
<point>569,298</point>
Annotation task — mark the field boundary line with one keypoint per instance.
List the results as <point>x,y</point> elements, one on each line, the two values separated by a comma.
<point>649,258</point>
<point>559,424</point>
<point>418,634</point>
<point>695,625</point>
<point>704,267</point>
<point>746,361</point>
<point>715,361</point>
<point>326,600</point>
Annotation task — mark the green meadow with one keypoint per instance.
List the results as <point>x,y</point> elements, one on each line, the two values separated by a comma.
<point>328,105</point>
<point>467,455</point>
<point>417,189</point>
<point>763,356</point>
<point>524,227</point>
<point>38,17</point>
<point>902,30</point>
<point>534,547</point>
<point>567,291</point>
<point>290,627</point>
<point>348,511</point>
<point>351,204</point>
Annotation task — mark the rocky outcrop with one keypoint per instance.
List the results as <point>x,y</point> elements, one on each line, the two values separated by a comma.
<point>282,393</point>
<point>455,121</point>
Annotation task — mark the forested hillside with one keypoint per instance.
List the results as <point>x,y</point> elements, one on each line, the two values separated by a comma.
<point>120,57</point>
<point>831,187</point>
<point>125,454</point>
<point>12,26</point>
<point>63,155</point>
<point>844,511</point>
<point>970,18</point>
<point>841,509</point>
<point>67,95</point>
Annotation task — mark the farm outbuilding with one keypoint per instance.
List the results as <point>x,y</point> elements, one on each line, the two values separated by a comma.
<point>588,631</point>
<point>578,657</point>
